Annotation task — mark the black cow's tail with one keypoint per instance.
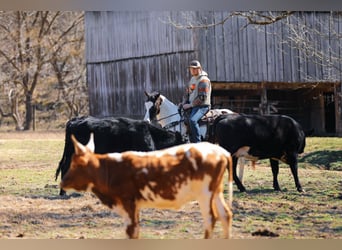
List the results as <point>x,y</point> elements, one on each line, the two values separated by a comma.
<point>67,144</point>
<point>302,142</point>
<point>58,170</point>
<point>62,162</point>
<point>212,129</point>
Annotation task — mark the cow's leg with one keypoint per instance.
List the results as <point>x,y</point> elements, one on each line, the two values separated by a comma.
<point>62,192</point>
<point>293,162</point>
<point>63,172</point>
<point>65,164</point>
<point>275,171</point>
<point>225,215</point>
<point>235,177</point>
<point>208,211</point>
<point>131,217</point>
<point>242,163</point>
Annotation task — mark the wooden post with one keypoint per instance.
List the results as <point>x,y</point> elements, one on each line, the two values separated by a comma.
<point>263,107</point>
<point>338,108</point>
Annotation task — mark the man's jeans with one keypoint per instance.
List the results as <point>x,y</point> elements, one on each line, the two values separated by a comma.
<point>195,115</point>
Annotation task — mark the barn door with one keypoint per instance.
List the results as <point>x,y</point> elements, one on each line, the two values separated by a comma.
<point>329,112</point>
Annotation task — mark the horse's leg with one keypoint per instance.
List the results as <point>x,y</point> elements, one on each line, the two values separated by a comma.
<point>203,132</point>
<point>242,163</point>
<point>235,177</point>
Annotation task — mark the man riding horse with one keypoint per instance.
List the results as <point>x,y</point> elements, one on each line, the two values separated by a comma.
<point>197,98</point>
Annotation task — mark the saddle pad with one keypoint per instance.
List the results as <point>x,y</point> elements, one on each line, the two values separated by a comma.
<point>212,114</point>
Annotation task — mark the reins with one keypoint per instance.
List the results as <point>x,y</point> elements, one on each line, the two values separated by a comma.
<point>175,123</point>
<point>167,117</point>
<point>171,124</point>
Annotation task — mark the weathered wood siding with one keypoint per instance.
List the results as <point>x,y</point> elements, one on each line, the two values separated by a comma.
<point>117,88</point>
<point>129,52</point>
<point>237,52</point>
<point>114,35</point>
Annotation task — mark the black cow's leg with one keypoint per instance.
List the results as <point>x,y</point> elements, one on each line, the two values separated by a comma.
<point>292,160</point>
<point>235,177</point>
<point>275,171</point>
<point>61,191</point>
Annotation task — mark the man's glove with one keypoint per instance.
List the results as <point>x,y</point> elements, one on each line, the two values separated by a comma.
<point>187,105</point>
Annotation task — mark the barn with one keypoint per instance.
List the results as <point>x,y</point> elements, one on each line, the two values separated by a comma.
<point>253,68</point>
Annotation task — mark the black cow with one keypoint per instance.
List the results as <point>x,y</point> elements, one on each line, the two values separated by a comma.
<point>274,137</point>
<point>114,134</point>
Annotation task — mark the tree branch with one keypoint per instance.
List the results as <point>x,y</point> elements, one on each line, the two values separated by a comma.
<point>260,18</point>
<point>253,17</point>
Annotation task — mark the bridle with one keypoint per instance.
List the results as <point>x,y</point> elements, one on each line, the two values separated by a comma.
<point>154,111</point>
<point>175,123</point>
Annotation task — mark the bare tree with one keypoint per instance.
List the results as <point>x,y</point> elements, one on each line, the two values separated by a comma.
<point>13,104</point>
<point>193,20</point>
<point>29,40</point>
<point>319,42</point>
<point>69,67</point>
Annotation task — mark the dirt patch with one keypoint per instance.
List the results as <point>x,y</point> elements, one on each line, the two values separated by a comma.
<point>40,213</point>
<point>85,217</point>
<point>24,135</point>
<point>30,207</point>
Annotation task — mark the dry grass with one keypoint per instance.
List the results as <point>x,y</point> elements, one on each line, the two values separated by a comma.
<point>30,206</point>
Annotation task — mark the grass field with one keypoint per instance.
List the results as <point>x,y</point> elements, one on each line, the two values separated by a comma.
<point>30,206</point>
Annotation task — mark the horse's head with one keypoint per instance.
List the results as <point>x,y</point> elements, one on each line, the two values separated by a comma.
<point>160,110</point>
<point>152,106</point>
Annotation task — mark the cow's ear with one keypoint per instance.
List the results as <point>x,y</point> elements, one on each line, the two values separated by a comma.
<point>90,144</point>
<point>79,148</point>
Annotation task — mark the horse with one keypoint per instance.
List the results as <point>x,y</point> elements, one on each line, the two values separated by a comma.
<point>162,112</point>
<point>166,114</point>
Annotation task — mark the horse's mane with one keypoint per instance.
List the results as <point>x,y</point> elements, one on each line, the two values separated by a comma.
<point>166,100</point>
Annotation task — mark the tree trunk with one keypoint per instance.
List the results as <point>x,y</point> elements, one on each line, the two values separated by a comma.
<point>14,110</point>
<point>28,109</point>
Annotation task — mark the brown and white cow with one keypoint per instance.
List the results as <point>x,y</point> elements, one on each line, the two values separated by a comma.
<point>168,178</point>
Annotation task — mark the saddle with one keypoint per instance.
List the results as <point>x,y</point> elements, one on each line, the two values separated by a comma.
<point>208,118</point>
<point>211,115</point>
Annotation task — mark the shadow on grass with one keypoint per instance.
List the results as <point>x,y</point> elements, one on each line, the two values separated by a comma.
<point>262,191</point>
<point>54,197</point>
<point>327,159</point>
<point>338,229</point>
<point>156,223</point>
